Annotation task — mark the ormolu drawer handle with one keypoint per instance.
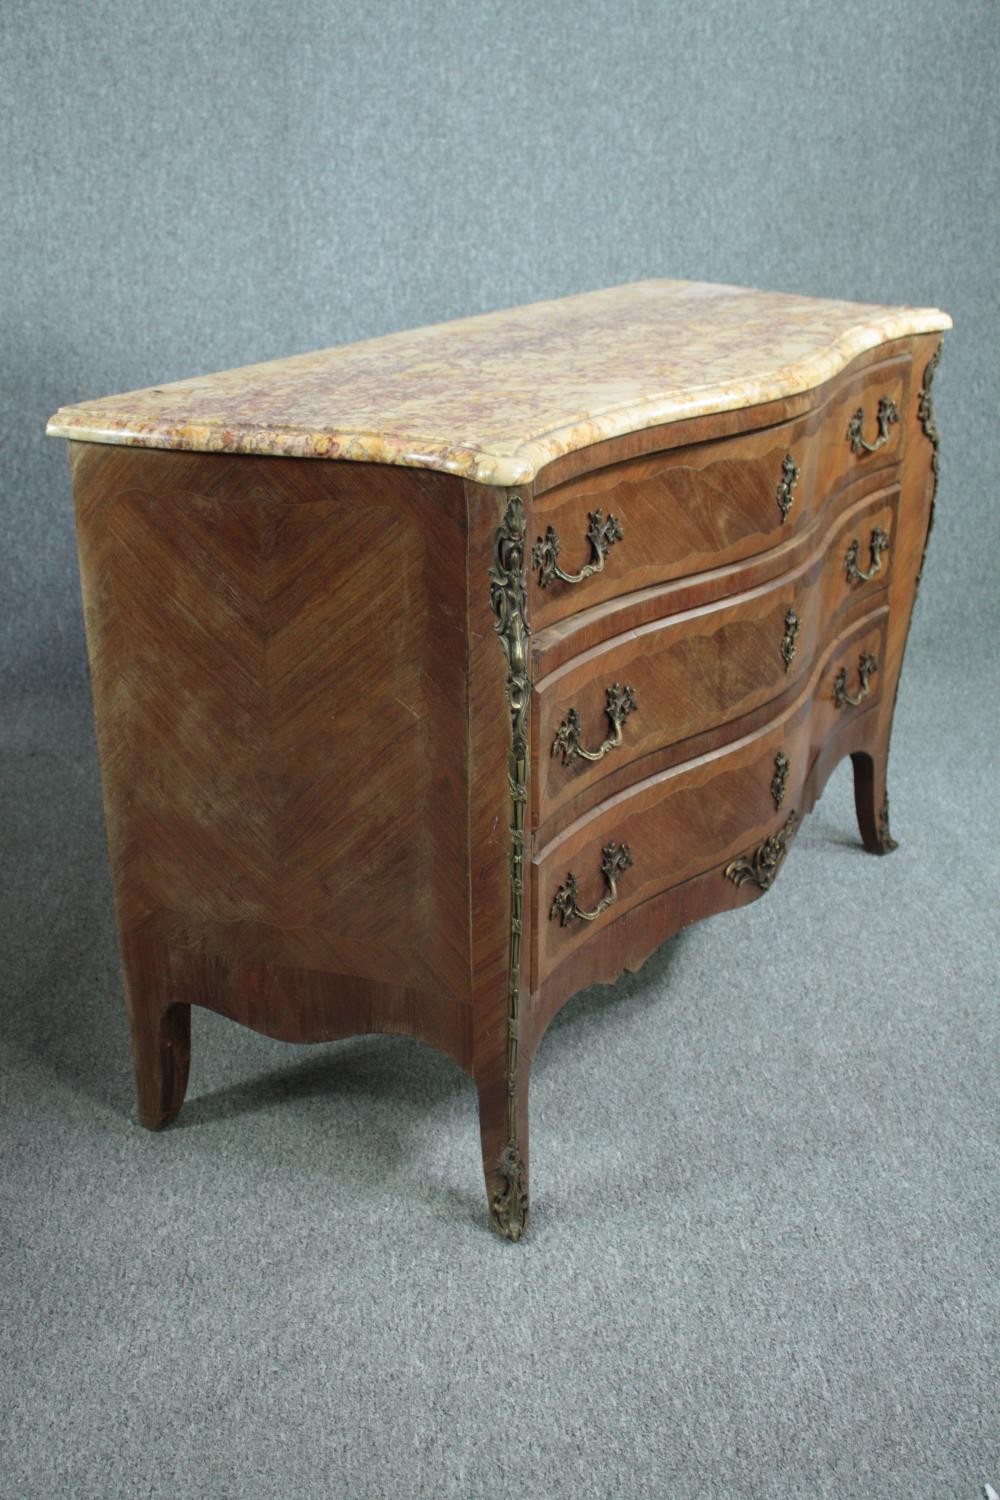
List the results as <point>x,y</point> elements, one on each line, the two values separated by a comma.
<point>615,858</point>
<point>601,534</point>
<point>788,640</point>
<point>888,413</point>
<point>879,544</point>
<point>620,702</point>
<point>867,667</point>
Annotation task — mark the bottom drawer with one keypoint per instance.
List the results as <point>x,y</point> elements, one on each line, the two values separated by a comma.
<point>673,826</point>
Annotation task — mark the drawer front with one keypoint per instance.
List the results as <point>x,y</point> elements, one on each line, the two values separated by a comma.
<point>683,511</point>
<point>675,678</point>
<point>700,814</point>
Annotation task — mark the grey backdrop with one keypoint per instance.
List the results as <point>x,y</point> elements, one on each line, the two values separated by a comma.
<point>192,187</point>
<point>763,1260</point>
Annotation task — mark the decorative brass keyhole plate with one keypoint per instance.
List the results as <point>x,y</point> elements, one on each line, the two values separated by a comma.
<point>786,486</point>
<point>789,639</point>
<point>780,778</point>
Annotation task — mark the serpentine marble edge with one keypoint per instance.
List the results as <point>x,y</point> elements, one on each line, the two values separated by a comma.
<point>496,397</point>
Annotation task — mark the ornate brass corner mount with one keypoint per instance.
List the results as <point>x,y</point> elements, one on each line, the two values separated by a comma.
<point>788,640</point>
<point>925,415</point>
<point>508,599</point>
<point>877,546</point>
<point>602,533</point>
<point>925,408</point>
<point>619,703</point>
<point>780,778</point>
<point>762,864</point>
<point>786,486</point>
<point>867,667</point>
<point>885,838</point>
<point>615,859</point>
<point>509,1206</point>
<point>887,415</point>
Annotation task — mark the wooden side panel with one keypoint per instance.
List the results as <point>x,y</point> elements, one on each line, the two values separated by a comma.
<point>278,658</point>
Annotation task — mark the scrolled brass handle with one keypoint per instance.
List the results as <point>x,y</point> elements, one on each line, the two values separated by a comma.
<point>887,414</point>
<point>867,667</point>
<point>619,703</point>
<point>615,859</point>
<point>602,533</point>
<point>879,543</point>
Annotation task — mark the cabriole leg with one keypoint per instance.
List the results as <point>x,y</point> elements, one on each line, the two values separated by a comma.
<point>161,1032</point>
<point>161,1043</point>
<point>161,1048</point>
<point>871,799</point>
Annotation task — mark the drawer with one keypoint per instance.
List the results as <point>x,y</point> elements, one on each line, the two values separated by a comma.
<point>666,681</point>
<point>682,511</point>
<point>699,814</point>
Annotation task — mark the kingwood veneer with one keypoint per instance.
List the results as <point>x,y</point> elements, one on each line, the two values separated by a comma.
<point>439,676</point>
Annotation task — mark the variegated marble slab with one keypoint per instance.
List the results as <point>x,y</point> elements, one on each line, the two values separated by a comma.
<point>496,397</point>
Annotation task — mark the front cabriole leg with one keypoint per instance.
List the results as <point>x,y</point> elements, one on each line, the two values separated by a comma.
<point>871,799</point>
<point>161,1034</point>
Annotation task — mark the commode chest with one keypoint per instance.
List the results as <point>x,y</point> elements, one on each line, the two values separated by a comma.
<point>439,676</point>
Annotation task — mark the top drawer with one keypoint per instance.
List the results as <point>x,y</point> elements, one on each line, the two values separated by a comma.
<point>679,512</point>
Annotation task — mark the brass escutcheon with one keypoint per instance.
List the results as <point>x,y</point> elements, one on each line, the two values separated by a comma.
<point>789,639</point>
<point>780,778</point>
<point>786,486</point>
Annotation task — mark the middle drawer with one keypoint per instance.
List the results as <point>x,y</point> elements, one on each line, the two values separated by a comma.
<point>673,678</point>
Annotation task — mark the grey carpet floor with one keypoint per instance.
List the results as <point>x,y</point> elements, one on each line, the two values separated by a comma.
<point>763,1259</point>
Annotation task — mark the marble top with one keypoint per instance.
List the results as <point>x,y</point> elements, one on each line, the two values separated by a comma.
<point>494,398</point>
